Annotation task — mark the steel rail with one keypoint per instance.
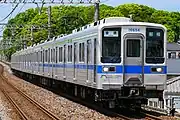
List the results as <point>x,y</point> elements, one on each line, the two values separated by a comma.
<point>50,114</point>
<point>20,112</point>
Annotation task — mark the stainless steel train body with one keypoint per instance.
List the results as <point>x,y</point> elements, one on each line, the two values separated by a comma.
<point>119,57</point>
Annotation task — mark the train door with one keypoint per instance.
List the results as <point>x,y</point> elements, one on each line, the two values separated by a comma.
<point>75,60</point>
<point>94,61</point>
<point>52,62</point>
<point>56,61</point>
<point>133,61</point>
<point>64,62</point>
<point>89,61</point>
<point>43,54</point>
<point>37,62</point>
<point>31,62</point>
<point>46,62</point>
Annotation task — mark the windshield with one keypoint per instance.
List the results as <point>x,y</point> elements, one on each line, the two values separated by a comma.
<point>111,45</point>
<point>154,45</point>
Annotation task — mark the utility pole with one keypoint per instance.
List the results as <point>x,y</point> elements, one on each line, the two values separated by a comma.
<point>32,36</point>
<point>96,14</point>
<point>49,22</point>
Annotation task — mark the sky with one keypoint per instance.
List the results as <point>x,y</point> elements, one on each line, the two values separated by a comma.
<point>169,5</point>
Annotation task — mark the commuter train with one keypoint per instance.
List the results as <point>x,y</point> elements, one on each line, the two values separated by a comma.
<point>114,61</point>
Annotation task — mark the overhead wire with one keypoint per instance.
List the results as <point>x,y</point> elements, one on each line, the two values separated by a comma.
<point>21,8</point>
<point>10,12</point>
<point>2,28</point>
<point>10,15</point>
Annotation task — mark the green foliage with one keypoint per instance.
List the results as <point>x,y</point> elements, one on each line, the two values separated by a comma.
<point>66,18</point>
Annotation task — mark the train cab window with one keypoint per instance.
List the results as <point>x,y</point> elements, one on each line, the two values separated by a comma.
<point>60,54</point>
<point>154,45</point>
<point>133,48</point>
<point>70,53</point>
<point>111,45</point>
<point>89,47</point>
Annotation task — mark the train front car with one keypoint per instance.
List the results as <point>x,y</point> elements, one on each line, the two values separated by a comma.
<point>155,67</point>
<point>132,62</point>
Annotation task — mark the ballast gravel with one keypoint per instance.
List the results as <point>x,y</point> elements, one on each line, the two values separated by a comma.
<point>64,108</point>
<point>7,112</point>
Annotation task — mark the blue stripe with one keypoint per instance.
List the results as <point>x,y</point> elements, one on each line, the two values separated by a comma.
<point>130,69</point>
<point>133,69</point>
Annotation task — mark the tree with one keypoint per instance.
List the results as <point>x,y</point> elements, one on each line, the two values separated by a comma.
<point>67,18</point>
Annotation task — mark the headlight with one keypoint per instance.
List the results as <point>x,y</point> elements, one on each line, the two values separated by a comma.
<point>159,69</point>
<point>105,69</point>
<point>103,77</point>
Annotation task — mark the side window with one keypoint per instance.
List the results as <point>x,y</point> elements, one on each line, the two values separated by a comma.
<point>46,55</point>
<point>41,57</point>
<point>64,55</point>
<point>89,48</point>
<point>70,53</point>
<point>75,52</point>
<point>60,54</point>
<point>52,55</point>
<point>34,57</point>
<point>56,58</point>
<point>37,56</point>
<point>81,52</point>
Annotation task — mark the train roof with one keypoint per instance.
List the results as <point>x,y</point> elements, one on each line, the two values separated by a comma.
<point>121,21</point>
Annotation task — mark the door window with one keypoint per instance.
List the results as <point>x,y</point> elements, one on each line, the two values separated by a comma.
<point>133,48</point>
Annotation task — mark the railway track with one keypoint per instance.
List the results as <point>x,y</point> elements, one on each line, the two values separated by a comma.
<point>27,108</point>
<point>51,116</point>
<point>128,115</point>
<point>7,88</point>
